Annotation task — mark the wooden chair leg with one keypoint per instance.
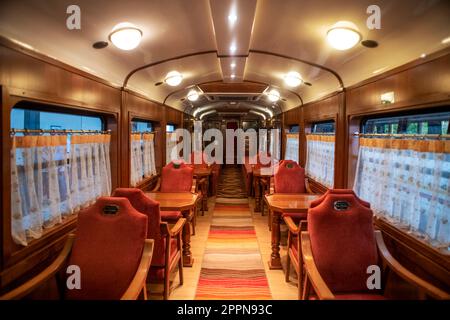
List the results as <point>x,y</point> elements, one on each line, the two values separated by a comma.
<point>288,267</point>
<point>180,270</point>
<point>166,284</point>
<point>194,222</point>
<point>306,289</point>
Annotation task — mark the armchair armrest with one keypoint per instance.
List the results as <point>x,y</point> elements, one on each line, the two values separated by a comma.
<point>139,280</point>
<point>29,286</point>
<point>175,230</point>
<point>158,185</point>
<point>404,273</point>
<point>291,225</point>
<point>318,284</point>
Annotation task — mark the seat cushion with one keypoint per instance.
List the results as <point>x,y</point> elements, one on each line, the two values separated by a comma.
<point>171,216</point>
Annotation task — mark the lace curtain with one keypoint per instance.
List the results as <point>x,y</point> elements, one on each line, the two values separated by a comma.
<point>142,157</point>
<point>291,152</point>
<point>407,183</point>
<point>49,183</point>
<point>320,158</point>
<point>171,143</point>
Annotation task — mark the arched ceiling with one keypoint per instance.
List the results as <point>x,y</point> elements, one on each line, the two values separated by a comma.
<point>171,28</point>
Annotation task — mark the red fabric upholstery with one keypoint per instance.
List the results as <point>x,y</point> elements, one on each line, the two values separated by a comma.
<point>170,216</point>
<point>176,179</point>
<point>149,207</point>
<point>156,273</point>
<point>342,242</point>
<point>289,178</point>
<point>318,201</point>
<point>108,249</point>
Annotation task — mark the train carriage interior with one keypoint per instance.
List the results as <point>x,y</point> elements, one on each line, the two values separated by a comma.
<point>238,150</point>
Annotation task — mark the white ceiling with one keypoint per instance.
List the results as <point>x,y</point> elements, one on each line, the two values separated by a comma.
<point>171,28</point>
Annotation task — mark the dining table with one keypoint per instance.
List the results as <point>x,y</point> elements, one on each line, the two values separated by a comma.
<point>280,203</point>
<point>184,202</point>
<point>261,183</point>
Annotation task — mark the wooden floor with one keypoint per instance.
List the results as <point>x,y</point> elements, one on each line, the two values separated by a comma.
<point>279,288</point>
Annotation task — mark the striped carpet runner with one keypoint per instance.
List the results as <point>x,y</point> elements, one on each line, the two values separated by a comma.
<point>232,267</point>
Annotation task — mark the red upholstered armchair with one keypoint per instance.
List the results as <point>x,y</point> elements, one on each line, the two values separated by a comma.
<point>111,250</point>
<point>340,248</point>
<point>176,177</point>
<point>167,241</point>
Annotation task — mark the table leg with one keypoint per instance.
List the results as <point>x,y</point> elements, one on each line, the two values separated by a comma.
<point>205,192</point>
<point>257,188</point>
<point>188,261</point>
<point>275,260</point>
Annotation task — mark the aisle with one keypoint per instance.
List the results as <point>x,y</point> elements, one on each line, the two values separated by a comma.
<point>232,266</point>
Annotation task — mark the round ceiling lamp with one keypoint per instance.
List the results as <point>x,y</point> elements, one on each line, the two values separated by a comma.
<point>273,95</point>
<point>293,79</point>
<point>173,78</point>
<point>343,35</point>
<point>193,95</point>
<point>125,36</point>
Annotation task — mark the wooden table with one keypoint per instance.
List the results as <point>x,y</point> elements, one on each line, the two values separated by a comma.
<point>202,176</point>
<point>261,180</point>
<point>184,202</point>
<point>280,203</point>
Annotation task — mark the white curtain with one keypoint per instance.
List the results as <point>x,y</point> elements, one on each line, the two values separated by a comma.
<point>40,195</point>
<point>90,168</point>
<point>171,143</point>
<point>142,157</point>
<point>320,159</point>
<point>407,183</point>
<point>291,152</point>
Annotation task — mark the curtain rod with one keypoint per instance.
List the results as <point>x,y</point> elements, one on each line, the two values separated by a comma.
<point>143,132</point>
<point>321,133</point>
<point>58,131</point>
<point>402,135</point>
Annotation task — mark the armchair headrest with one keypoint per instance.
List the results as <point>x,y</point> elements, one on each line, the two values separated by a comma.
<point>112,207</point>
<point>318,201</point>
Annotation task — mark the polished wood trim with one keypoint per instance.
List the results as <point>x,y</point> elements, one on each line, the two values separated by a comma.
<point>404,273</point>
<point>44,276</point>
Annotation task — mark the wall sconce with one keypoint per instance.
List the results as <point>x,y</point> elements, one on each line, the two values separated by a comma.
<point>387,97</point>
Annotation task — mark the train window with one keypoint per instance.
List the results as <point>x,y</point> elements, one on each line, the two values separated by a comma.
<point>142,151</point>
<point>320,153</point>
<point>292,143</point>
<point>428,123</point>
<point>141,126</point>
<point>55,172</point>
<point>323,127</point>
<point>403,170</point>
<point>170,128</point>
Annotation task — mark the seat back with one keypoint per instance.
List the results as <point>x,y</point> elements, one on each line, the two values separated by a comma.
<point>176,177</point>
<point>342,241</point>
<point>150,208</point>
<point>318,201</point>
<point>108,247</point>
<point>289,178</point>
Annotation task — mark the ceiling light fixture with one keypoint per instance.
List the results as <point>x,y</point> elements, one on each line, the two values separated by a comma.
<point>446,40</point>
<point>233,76</point>
<point>343,35</point>
<point>423,55</point>
<point>233,65</point>
<point>293,79</point>
<point>193,95</point>
<point>232,18</point>
<point>173,78</point>
<point>125,36</point>
<point>273,95</point>
<point>233,48</point>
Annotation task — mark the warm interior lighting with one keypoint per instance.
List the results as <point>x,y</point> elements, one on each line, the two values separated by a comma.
<point>273,95</point>
<point>233,48</point>
<point>193,95</point>
<point>446,40</point>
<point>232,18</point>
<point>423,55</point>
<point>125,36</point>
<point>233,76</point>
<point>173,78</point>
<point>293,79</point>
<point>343,35</point>
<point>233,65</point>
